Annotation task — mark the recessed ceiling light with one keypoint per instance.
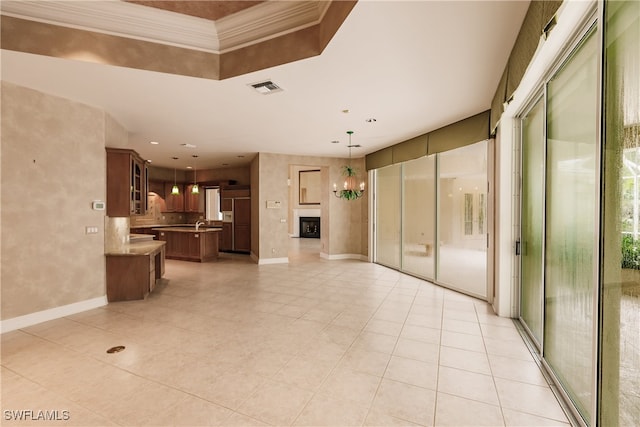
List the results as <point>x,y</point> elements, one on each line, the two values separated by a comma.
<point>371,120</point>
<point>335,142</point>
<point>189,167</point>
<point>241,157</point>
<point>148,160</point>
<point>174,158</point>
<point>188,145</point>
<point>154,142</point>
<point>346,111</point>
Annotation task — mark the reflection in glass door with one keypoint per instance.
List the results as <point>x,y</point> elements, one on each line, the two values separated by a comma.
<point>620,354</point>
<point>388,215</point>
<point>462,210</point>
<point>570,222</point>
<point>419,222</point>
<point>532,214</point>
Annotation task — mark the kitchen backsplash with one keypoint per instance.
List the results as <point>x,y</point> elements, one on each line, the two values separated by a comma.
<point>155,216</point>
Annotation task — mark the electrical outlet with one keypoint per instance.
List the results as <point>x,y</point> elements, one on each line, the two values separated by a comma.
<point>273,250</point>
<point>283,220</point>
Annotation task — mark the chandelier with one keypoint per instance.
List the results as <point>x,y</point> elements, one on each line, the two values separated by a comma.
<point>351,190</point>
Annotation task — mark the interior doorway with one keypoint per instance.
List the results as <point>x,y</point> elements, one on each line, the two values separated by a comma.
<point>306,212</point>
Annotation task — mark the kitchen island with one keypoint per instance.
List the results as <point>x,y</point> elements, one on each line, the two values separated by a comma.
<point>133,269</point>
<point>189,243</point>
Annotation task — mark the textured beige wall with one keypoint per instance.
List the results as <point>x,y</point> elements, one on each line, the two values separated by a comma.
<point>53,167</point>
<point>344,223</point>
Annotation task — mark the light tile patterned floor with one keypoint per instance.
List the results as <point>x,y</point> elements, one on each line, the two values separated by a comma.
<point>311,343</point>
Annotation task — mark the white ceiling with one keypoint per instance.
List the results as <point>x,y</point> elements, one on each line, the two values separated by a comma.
<point>414,66</point>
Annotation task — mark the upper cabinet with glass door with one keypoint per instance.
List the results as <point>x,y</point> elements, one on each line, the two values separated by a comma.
<point>126,183</point>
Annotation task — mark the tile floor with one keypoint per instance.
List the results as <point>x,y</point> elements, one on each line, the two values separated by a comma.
<point>311,343</point>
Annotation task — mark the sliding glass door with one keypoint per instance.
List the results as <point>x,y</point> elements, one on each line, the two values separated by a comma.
<point>571,219</point>
<point>431,218</point>
<point>620,291</point>
<point>532,223</point>
<point>388,215</point>
<point>419,217</point>
<point>560,222</point>
<point>462,210</point>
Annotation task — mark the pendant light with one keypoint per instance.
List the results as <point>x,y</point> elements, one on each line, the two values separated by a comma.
<point>351,189</point>
<point>175,190</point>
<point>195,189</point>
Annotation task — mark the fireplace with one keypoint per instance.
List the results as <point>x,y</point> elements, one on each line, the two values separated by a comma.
<point>310,227</point>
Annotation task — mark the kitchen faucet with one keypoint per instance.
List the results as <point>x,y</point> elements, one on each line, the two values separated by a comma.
<point>198,224</point>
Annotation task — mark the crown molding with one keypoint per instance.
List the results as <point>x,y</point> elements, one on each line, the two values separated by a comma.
<point>120,19</point>
<point>268,20</point>
<point>253,25</point>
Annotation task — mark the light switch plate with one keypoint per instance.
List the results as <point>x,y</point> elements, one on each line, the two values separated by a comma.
<point>273,204</point>
<point>91,230</point>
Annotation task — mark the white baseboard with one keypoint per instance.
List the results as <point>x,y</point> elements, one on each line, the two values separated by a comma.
<point>51,314</point>
<point>343,256</point>
<point>264,261</point>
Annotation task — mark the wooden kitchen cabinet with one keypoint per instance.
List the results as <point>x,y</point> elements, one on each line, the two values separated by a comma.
<point>133,276</point>
<point>236,235</point>
<point>190,245</point>
<point>226,204</point>
<point>226,239</point>
<point>157,187</point>
<point>192,201</point>
<point>173,202</point>
<point>127,183</point>
<point>242,224</point>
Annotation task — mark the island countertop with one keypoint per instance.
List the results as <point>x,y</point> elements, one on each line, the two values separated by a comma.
<point>152,226</point>
<point>188,229</point>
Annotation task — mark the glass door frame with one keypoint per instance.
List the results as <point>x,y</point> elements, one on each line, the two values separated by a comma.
<point>539,95</point>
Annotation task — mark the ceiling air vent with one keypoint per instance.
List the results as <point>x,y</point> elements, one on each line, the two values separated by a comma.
<point>266,87</point>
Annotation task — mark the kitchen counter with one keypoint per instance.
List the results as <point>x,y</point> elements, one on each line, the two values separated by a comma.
<point>191,229</point>
<point>174,225</point>
<point>138,248</point>
<point>133,269</point>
